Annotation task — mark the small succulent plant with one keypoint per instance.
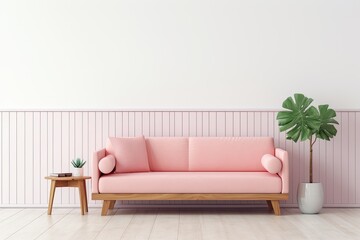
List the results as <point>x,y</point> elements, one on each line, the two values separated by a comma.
<point>78,163</point>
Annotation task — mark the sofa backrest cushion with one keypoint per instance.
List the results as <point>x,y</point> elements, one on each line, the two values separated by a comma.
<point>168,154</point>
<point>130,154</point>
<point>228,154</point>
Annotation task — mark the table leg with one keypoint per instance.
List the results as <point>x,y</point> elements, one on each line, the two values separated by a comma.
<point>52,194</point>
<point>85,197</point>
<point>81,194</point>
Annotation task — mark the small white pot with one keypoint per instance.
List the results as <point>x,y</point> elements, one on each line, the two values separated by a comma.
<point>78,172</point>
<point>310,197</point>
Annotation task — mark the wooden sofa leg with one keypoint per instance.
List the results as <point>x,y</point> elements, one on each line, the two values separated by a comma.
<point>105,207</point>
<point>276,206</point>
<point>269,205</point>
<point>112,204</point>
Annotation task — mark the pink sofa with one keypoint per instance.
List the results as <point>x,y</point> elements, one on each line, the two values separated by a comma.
<point>197,168</point>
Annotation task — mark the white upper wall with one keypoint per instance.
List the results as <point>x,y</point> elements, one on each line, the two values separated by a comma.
<point>178,53</point>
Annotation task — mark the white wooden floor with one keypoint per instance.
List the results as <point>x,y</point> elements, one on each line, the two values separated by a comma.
<point>191,224</point>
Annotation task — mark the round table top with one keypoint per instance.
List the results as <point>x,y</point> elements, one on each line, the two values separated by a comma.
<point>67,178</point>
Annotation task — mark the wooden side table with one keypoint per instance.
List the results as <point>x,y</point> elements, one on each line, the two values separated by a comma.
<point>78,182</point>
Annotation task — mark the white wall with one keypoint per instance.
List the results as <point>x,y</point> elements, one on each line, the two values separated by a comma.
<point>178,54</point>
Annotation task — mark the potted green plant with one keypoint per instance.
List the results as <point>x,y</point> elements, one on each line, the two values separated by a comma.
<point>304,122</point>
<point>78,167</point>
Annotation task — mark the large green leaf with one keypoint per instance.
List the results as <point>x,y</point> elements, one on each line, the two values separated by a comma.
<point>327,129</point>
<point>300,120</point>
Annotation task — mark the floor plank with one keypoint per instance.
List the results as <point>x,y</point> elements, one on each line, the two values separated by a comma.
<point>117,225</point>
<point>40,225</point>
<point>189,224</point>
<point>350,227</point>
<point>77,226</point>
<point>182,224</point>
<point>236,226</point>
<point>8,212</point>
<point>212,227</point>
<point>314,226</point>
<point>18,221</point>
<point>166,226</point>
<point>141,225</point>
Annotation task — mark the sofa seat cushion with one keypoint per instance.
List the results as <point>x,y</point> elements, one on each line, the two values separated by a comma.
<point>190,182</point>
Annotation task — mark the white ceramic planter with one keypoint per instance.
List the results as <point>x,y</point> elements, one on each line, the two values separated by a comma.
<point>310,197</point>
<point>78,172</point>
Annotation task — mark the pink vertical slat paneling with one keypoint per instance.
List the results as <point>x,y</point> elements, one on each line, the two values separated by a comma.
<point>178,124</point>
<point>237,124</point>
<point>20,157</point>
<point>158,124</point>
<point>322,163</point>
<point>49,143</point>
<point>357,157</point>
<point>337,186</point>
<point>44,157</point>
<point>79,144</point>
<point>125,124</point>
<point>221,124</point>
<point>146,124</point>
<point>105,126</point>
<point>199,124</point>
<point>92,142</point>
<point>345,157</point>
<point>244,124</point>
<point>57,145</point>
<point>13,158</point>
<point>118,124</point>
<point>72,151</point>
<point>172,124</point>
<point>138,124</point>
<point>29,156</point>
<point>264,121</point>
<point>85,146</point>
<point>351,157</point>
<point>131,124</point>
<point>151,124</point>
<point>329,190</point>
<point>251,124</point>
<point>229,121</point>
<point>112,130</point>
<point>192,124</point>
<point>165,116</point>
<point>212,124</point>
<point>257,124</point>
<point>65,153</point>
<point>185,126</point>
<point>33,144</point>
<point>37,156</point>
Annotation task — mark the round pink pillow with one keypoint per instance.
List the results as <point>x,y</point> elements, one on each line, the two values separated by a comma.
<point>271,164</point>
<point>107,164</point>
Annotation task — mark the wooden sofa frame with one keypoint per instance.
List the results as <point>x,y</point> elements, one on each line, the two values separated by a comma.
<point>109,199</point>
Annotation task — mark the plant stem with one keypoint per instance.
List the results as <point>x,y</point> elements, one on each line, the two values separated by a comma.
<point>311,159</point>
